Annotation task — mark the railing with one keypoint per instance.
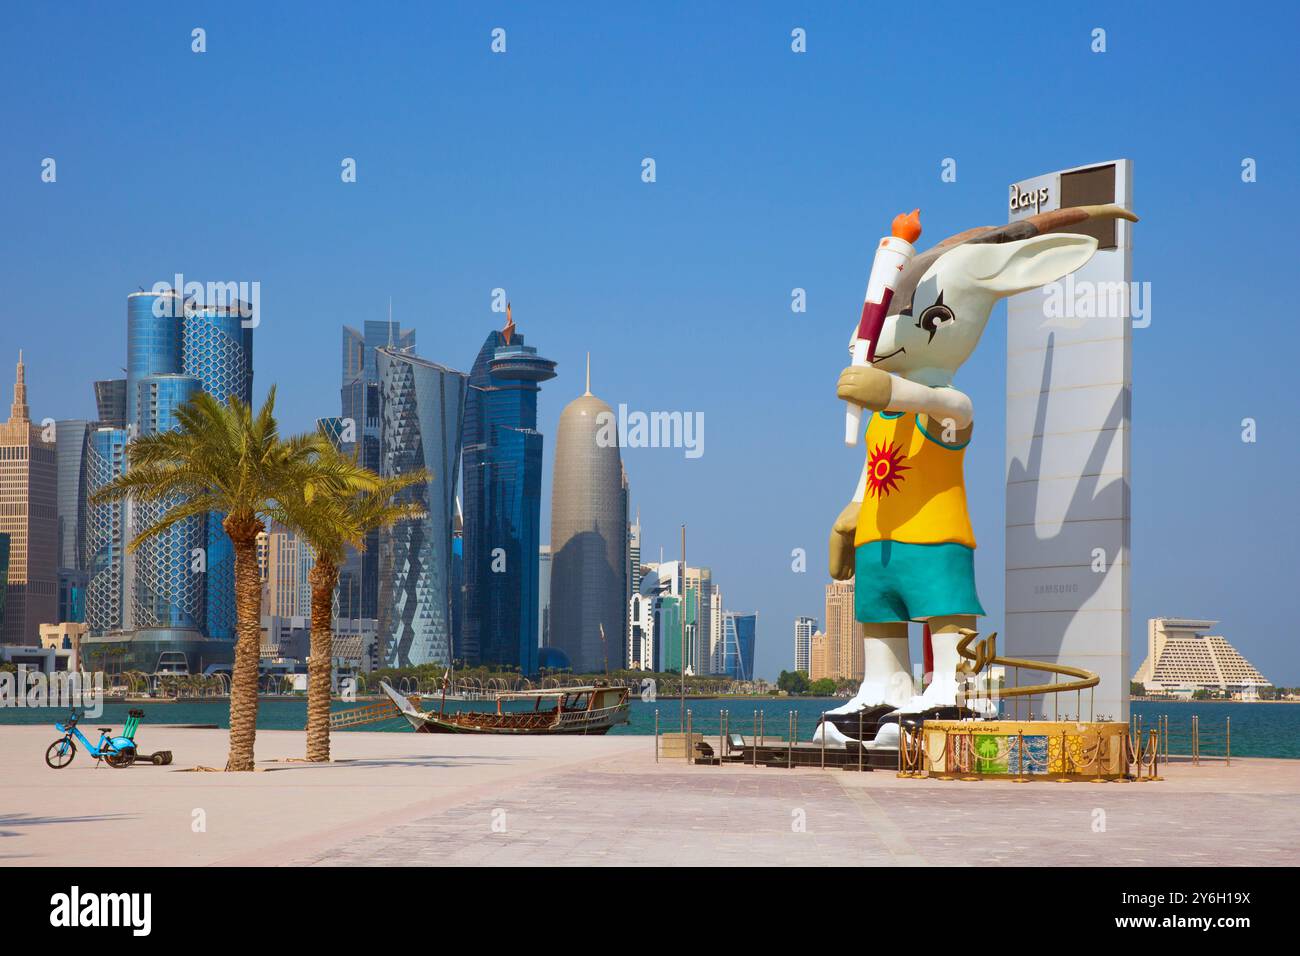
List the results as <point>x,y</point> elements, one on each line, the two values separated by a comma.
<point>1192,741</point>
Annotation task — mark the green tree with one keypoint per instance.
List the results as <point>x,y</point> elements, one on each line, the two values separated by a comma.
<point>793,682</point>
<point>823,687</point>
<point>222,459</point>
<point>333,510</point>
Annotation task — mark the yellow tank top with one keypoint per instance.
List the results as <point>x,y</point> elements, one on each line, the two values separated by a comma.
<point>916,491</point>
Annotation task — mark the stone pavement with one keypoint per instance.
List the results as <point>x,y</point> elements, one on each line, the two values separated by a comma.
<point>403,799</point>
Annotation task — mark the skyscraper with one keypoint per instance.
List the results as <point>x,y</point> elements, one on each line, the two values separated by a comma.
<point>844,650</point>
<point>503,501</point>
<point>172,601</point>
<point>739,633</point>
<point>70,439</point>
<point>359,432</point>
<point>543,595</point>
<point>804,629</point>
<point>29,516</point>
<point>104,541</point>
<point>588,536</point>
<point>421,410</point>
<point>633,653</point>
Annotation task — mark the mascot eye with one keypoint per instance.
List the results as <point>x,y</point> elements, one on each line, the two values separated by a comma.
<point>934,318</point>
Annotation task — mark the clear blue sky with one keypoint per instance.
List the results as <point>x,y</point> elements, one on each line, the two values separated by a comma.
<point>775,171</point>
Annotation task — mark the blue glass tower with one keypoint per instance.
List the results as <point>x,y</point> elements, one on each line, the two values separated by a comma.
<point>503,501</point>
<point>421,408</point>
<point>738,635</point>
<point>217,350</point>
<point>358,590</point>
<point>169,593</point>
<point>172,607</point>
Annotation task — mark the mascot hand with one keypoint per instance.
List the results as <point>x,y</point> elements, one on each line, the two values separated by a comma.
<point>866,386</point>
<point>846,526</point>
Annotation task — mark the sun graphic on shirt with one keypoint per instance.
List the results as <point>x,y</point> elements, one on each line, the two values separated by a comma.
<point>885,469</point>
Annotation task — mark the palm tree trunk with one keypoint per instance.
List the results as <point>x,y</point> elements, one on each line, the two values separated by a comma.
<point>324,576</point>
<point>243,530</point>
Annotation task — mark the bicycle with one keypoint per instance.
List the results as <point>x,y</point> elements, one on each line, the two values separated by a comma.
<point>117,752</point>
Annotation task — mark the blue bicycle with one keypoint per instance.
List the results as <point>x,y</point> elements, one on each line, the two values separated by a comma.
<point>118,752</point>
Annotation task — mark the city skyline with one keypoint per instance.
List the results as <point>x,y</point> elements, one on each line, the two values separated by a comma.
<point>688,279</point>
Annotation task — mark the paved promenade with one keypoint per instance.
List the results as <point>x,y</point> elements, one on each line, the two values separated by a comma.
<point>423,799</point>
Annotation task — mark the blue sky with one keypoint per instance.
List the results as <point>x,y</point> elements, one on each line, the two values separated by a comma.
<point>774,171</point>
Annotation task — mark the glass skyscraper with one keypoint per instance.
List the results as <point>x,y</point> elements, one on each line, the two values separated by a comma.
<point>104,541</point>
<point>421,409</point>
<point>172,601</point>
<point>738,636</point>
<point>503,502</point>
<point>70,437</point>
<point>358,589</point>
<point>168,591</point>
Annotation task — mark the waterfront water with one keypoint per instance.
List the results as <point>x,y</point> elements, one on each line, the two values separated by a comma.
<point>1258,730</point>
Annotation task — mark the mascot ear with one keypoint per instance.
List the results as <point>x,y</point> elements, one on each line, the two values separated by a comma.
<point>1006,268</point>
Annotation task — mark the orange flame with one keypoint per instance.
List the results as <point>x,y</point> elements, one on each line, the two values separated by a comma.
<point>907,227</point>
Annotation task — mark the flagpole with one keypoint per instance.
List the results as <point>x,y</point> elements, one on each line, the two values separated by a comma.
<point>683,616</point>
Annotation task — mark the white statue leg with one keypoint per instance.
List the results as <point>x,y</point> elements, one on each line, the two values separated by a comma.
<point>887,675</point>
<point>945,634</point>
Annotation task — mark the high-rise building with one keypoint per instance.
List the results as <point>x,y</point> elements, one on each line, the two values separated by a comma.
<point>170,593</point>
<point>503,501</point>
<point>4,575</point>
<point>285,561</point>
<point>633,573</point>
<point>1182,659</point>
<point>421,410</point>
<point>171,602</point>
<point>70,439</point>
<point>29,516</point>
<point>217,350</point>
<point>588,536</point>
<point>110,403</point>
<point>640,652</point>
<point>544,595</point>
<point>804,629</point>
<point>359,432</point>
<point>819,657</point>
<point>104,541</point>
<point>844,650</point>
<point>739,635</point>
<point>668,633</point>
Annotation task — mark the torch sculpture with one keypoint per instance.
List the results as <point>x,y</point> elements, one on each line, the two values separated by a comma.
<point>906,536</point>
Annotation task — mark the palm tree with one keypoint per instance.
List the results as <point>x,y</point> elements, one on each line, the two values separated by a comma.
<point>222,459</point>
<point>335,510</point>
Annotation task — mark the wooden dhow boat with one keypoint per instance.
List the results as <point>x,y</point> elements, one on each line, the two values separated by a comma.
<point>592,709</point>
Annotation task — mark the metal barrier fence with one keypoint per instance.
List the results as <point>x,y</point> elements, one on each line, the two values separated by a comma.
<point>1191,741</point>
<point>749,732</point>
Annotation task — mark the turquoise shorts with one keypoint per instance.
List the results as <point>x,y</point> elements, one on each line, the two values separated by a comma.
<point>897,581</point>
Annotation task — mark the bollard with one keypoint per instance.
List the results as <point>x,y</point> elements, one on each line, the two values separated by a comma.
<point>754,748</point>
<point>789,740</point>
<point>823,728</point>
<point>656,735</point>
<point>1227,734</point>
<point>860,744</point>
<point>1065,760</point>
<point>690,737</point>
<point>722,735</point>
